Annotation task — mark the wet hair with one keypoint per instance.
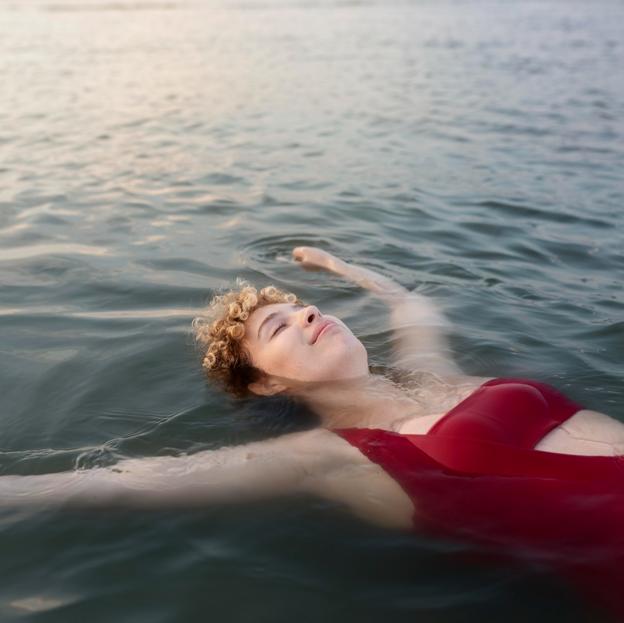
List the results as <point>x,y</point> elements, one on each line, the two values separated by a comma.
<point>220,330</point>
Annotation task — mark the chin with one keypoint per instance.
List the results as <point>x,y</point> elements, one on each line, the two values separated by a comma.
<point>353,364</point>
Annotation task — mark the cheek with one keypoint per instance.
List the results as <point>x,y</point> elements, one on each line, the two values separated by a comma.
<point>280,358</point>
<point>343,355</point>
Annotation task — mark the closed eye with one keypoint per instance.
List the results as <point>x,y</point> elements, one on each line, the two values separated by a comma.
<point>278,330</point>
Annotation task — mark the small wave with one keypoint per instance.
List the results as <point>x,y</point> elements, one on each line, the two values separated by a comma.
<point>522,211</point>
<point>39,603</point>
<point>20,253</point>
<point>112,314</point>
<point>71,7</point>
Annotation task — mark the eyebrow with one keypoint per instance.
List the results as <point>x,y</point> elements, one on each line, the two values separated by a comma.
<point>269,318</point>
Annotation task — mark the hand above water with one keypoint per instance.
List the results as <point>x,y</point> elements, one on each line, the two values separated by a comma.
<point>312,258</point>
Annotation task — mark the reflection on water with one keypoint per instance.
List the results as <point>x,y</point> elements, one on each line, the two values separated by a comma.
<point>20,253</point>
<point>151,152</point>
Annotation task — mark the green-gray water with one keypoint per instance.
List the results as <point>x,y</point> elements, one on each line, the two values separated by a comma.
<point>151,152</point>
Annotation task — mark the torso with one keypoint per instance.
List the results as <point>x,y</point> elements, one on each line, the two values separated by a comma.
<point>374,495</point>
<point>585,433</point>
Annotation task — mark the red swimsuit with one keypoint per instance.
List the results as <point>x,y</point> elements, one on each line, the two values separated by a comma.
<point>476,476</point>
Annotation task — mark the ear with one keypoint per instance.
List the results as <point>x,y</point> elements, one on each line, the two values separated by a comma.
<point>266,387</point>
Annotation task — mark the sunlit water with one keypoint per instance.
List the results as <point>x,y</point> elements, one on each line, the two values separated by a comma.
<point>151,152</point>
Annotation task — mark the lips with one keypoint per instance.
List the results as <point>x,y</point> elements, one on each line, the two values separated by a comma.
<point>320,329</point>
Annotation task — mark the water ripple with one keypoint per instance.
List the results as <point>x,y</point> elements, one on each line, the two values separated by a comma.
<point>472,151</point>
<point>21,253</point>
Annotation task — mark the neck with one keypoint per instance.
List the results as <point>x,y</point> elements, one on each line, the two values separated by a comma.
<point>367,402</point>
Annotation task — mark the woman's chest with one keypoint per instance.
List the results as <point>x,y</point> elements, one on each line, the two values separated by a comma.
<point>434,402</point>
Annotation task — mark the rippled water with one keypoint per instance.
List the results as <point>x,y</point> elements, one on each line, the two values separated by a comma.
<point>152,151</point>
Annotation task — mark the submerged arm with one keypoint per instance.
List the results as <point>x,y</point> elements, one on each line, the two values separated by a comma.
<point>242,473</point>
<point>418,323</point>
<point>420,342</point>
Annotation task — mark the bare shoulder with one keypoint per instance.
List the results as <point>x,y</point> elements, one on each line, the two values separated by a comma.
<point>317,447</point>
<point>347,477</point>
<point>446,390</point>
<point>466,380</point>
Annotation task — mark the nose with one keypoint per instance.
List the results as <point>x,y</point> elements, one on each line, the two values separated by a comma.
<point>310,314</point>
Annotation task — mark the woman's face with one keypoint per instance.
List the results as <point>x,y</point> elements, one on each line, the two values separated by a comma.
<point>300,343</point>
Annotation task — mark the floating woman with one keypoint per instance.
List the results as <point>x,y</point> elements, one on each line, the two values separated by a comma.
<point>508,464</point>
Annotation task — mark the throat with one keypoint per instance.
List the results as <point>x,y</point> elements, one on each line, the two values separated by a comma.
<point>375,403</point>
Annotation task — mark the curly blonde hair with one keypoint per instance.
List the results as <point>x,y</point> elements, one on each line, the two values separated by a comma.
<point>220,330</point>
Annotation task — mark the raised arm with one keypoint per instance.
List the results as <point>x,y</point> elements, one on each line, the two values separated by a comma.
<point>248,472</point>
<point>316,259</point>
<point>418,323</point>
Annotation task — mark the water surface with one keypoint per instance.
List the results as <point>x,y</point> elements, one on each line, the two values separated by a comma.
<point>153,151</point>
